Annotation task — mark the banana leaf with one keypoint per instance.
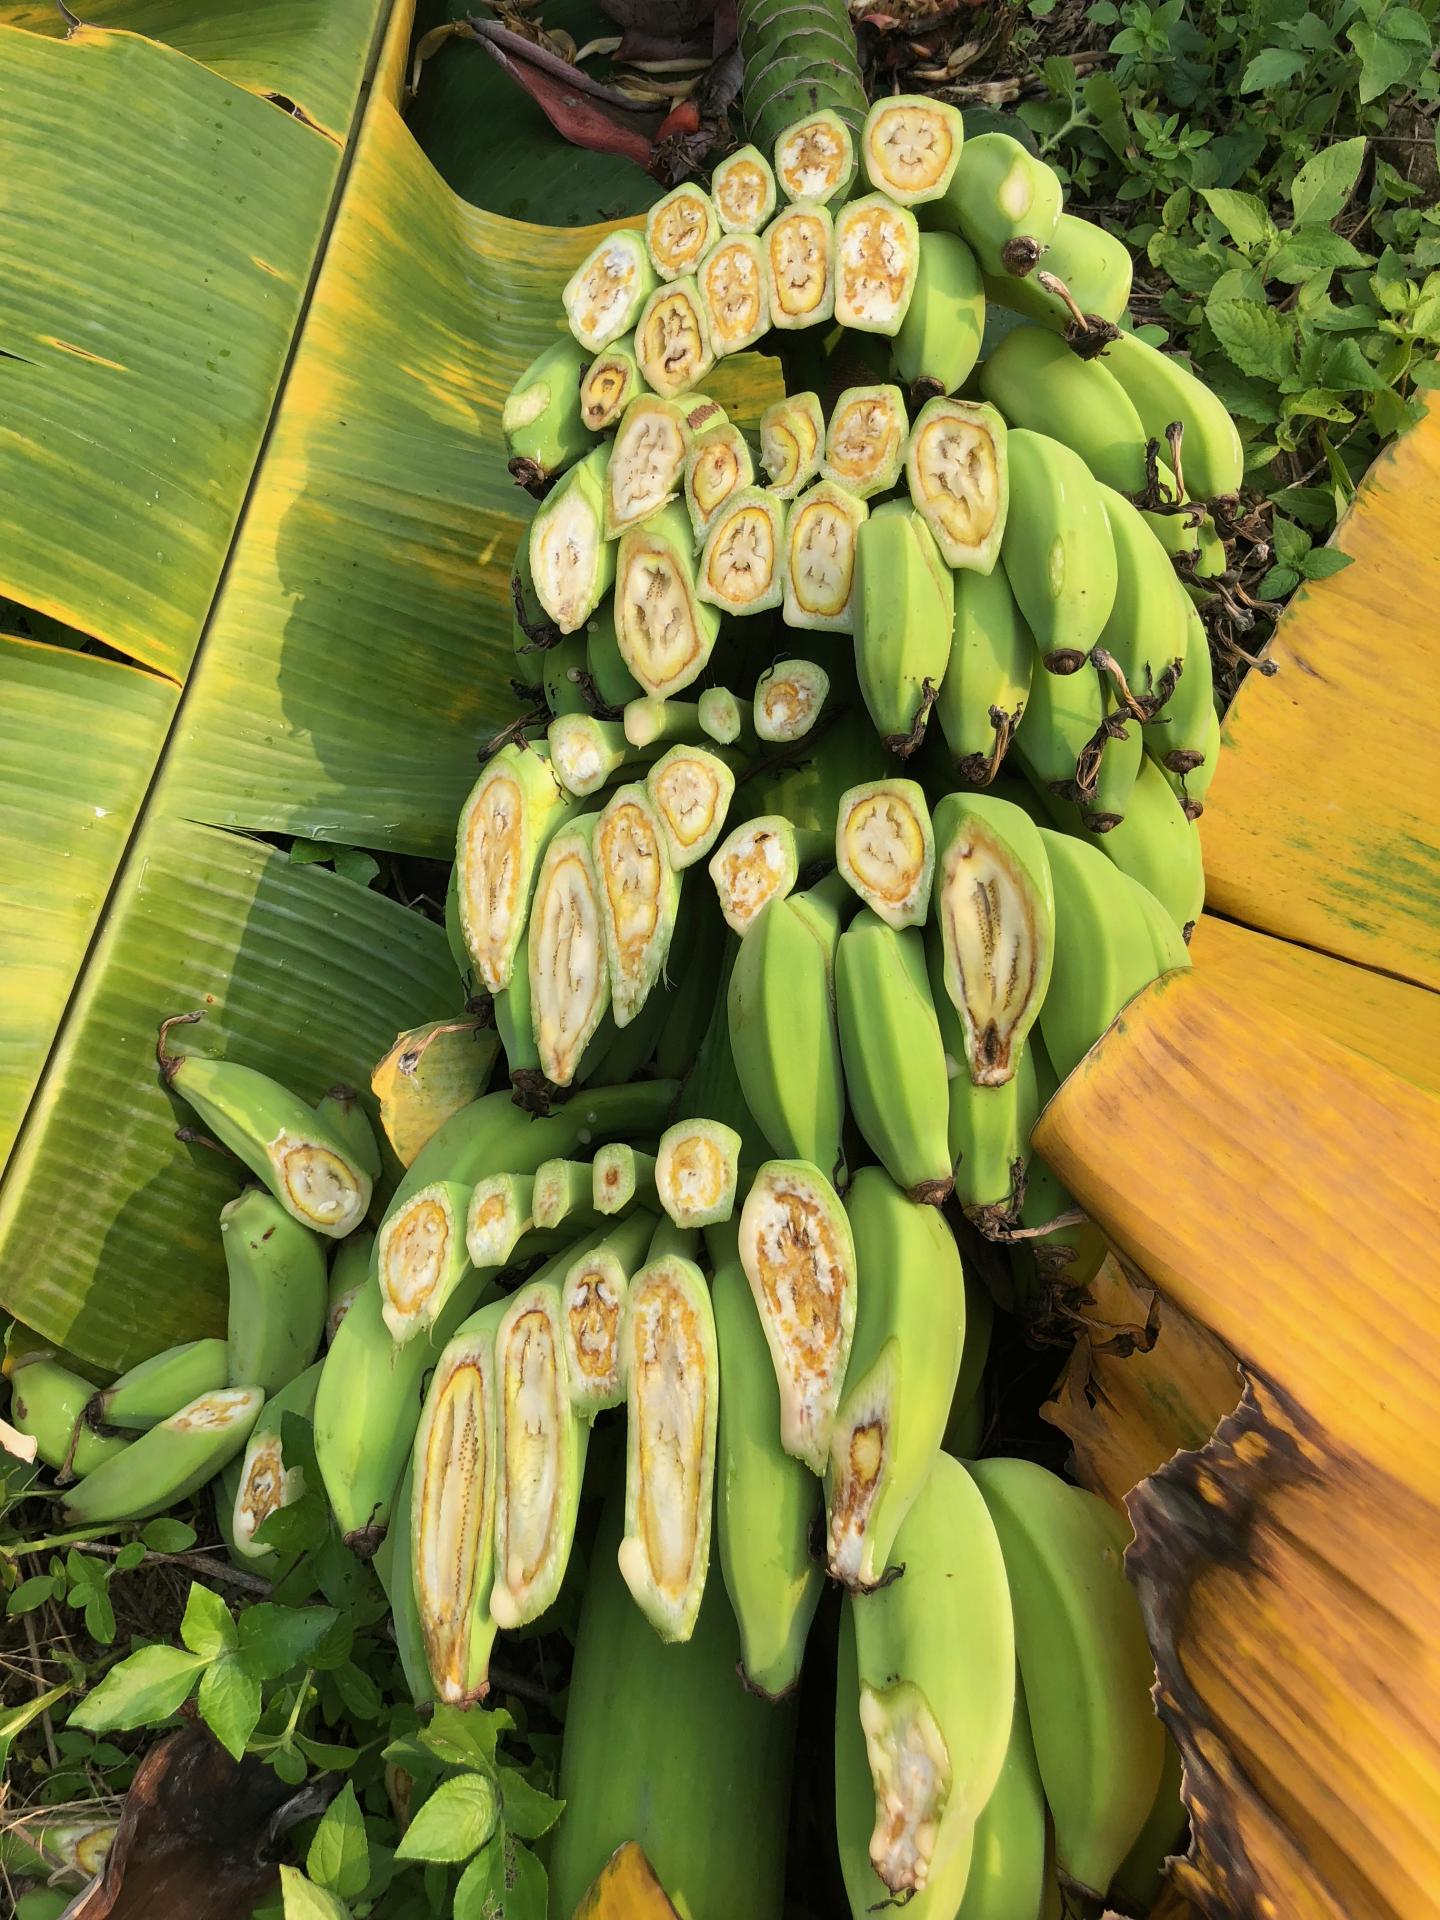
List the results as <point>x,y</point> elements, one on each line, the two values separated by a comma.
<point>253,365</point>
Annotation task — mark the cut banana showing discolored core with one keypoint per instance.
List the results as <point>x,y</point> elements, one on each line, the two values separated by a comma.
<point>799,1257</point>
<point>665,631</point>
<point>569,975</point>
<point>696,1170</point>
<point>800,267</point>
<point>541,1457</point>
<point>585,751</point>
<point>672,338</point>
<point>885,848</point>
<point>621,1175</point>
<point>672,1402</point>
<point>572,559</point>
<point>909,147</point>
<point>910,1769</point>
<point>820,559</point>
<point>995,906</point>
<point>733,287</point>
<point>741,566</point>
<point>319,1186</point>
<point>743,190</point>
<point>452,1514</point>
<point>421,1256</point>
<point>610,383</point>
<point>680,230</point>
<point>717,465</point>
<point>640,894</point>
<point>757,863</point>
<point>647,462</point>
<point>792,436</point>
<point>877,256</point>
<point>498,844</point>
<point>266,1485</point>
<point>501,1209</point>
<point>959,480</point>
<point>815,158</point>
<point>860,1451</point>
<point>604,295</point>
<point>865,441</point>
<point>788,699</point>
<point>691,789</point>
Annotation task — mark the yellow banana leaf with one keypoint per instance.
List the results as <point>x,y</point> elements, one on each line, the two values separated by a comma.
<point>251,445</point>
<point>1323,823</point>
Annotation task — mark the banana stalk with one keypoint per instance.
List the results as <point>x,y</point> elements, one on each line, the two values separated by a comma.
<point>820,549</point>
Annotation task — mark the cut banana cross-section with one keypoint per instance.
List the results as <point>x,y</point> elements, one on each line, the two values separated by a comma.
<point>452,1514</point>
<point>877,256</point>
<point>500,1210</point>
<point>513,805</point>
<point>788,699</point>
<point>820,558</point>
<point>815,158</point>
<point>592,1301</point>
<point>743,189</point>
<point>696,1171</point>
<point>422,1257</point>
<point>569,977</point>
<point>799,267</point>
<point>732,285</point>
<point>665,631</point>
<point>640,894</point>
<point>611,382</point>
<point>792,432</point>
<point>540,1457</point>
<point>865,442</point>
<point>885,848</point>
<point>752,866</point>
<point>799,1257</point>
<point>604,295</point>
<point>717,465</point>
<point>672,1402</point>
<point>740,569</point>
<point>572,557</point>
<point>959,481</point>
<point>910,145</point>
<point>680,230</point>
<point>647,461</point>
<point>691,789</point>
<point>672,339</point>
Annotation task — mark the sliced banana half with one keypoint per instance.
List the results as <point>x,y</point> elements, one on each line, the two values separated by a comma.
<point>959,479</point>
<point>647,462</point>
<point>998,940</point>
<point>815,158</point>
<point>672,339</point>
<point>453,1518</point>
<point>421,1257</point>
<point>569,976</point>
<point>665,631</point>
<point>910,145</point>
<point>788,699</point>
<point>611,382</point>
<point>885,849</point>
<point>539,1459</point>
<point>691,789</point>
<point>792,435</point>
<point>741,566</point>
<point>733,288</point>
<point>756,863</point>
<point>572,558</point>
<point>877,258</point>
<point>865,441</point>
<point>717,466</point>
<point>604,295</point>
<point>697,1169</point>
<point>640,893</point>
<point>743,190</point>
<point>680,230</point>
<point>820,558</point>
<point>800,267</point>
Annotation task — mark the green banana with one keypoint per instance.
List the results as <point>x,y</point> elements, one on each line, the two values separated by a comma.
<point>1104,954</point>
<point>1158,846</point>
<point>819,568</point>
<point>651,720</point>
<point>613,683</point>
<point>560,1194</point>
<point>608,385</point>
<point>1140,1873</point>
<point>815,158</point>
<point>1163,390</point>
<point>904,618</point>
<point>722,719</point>
<point>672,338</point>
<point>1066,1259</point>
<point>936,1727</point>
<point>592,1306</point>
<point>505,823</point>
<point>1181,734</point>
<point>964,1430</point>
<point>717,466</point>
<point>765,1501</point>
<point>735,293</point>
<point>900,1381</point>
<point>515,1024</point>
<point>986,688</point>
<point>1007,1863</point>
<point>395,1570</point>
<point>1060,733</point>
<point>799,1256</point>
<point>639,897</point>
<point>877,259</point>
<point>1004,202</point>
<point>302,1160</point>
<point>572,556</point>
<point>680,229</point>
<point>500,1217</point>
<point>445,1543</point>
<point>672,1391</point>
<point>910,145</point>
<point>541,1457</point>
<point>697,1169</point>
<point>996,911</point>
<point>665,631</point>
<point>792,439</point>
<point>160,1468</point>
<point>743,189</point>
<point>585,752</point>
<point>783,1032</point>
<point>622,1177</point>
<point>865,441</point>
<point>1038,383</point>
<point>348,1273</point>
<point>1145,634</point>
<point>162,1385</point>
<point>1166,939</point>
<point>711,1814</point>
<point>568,971</point>
<point>957,466</point>
<point>893,1054</point>
<point>938,342</point>
<point>1106,773</point>
<point>541,420</point>
<point>885,849</point>
<point>47,1405</point>
<point>1086,271</point>
<point>341,1108</point>
<point>279,1292</point>
<point>1057,549</point>
<point>1190,788</point>
<point>421,1257</point>
<point>743,560</point>
<point>604,295</point>
<point>1084,1661</point>
<point>264,1483</point>
<point>561,668</point>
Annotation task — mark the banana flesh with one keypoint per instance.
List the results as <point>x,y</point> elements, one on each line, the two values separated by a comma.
<point>820,547</point>
<point>680,229</point>
<point>815,159</point>
<point>735,292</point>
<point>792,438</point>
<point>697,1169</point>
<point>572,558</point>
<point>622,1177</point>
<point>647,462</point>
<point>691,790</point>
<point>639,897</point>
<point>741,566</point>
<point>592,1306</point>
<point>266,1481</point>
<point>513,808</point>
<point>885,848</point>
<point>666,631</point>
<point>877,257</point>
<point>568,969</point>
<point>789,698</point>
<point>672,338</point>
<point>865,440</point>
<point>758,862</point>
<point>421,1257</point>
<point>800,266</point>
<point>717,466</point>
<point>909,147</point>
<point>501,1210</point>
<point>957,468</point>
<point>743,190</point>
<point>604,295</point>
<point>611,381</point>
